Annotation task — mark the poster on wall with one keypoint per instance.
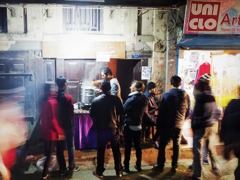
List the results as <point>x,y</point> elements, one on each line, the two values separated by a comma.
<point>212,17</point>
<point>225,76</point>
<point>146,73</point>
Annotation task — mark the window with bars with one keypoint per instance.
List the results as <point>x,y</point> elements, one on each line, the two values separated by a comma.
<point>78,19</point>
<point>3,20</point>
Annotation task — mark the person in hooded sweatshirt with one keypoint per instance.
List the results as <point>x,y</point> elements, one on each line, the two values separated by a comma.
<point>173,110</point>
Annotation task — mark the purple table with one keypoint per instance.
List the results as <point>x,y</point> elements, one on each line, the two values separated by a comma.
<point>85,132</point>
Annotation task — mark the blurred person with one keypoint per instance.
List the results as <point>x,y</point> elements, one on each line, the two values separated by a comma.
<point>151,112</point>
<point>230,132</point>
<point>66,113</point>
<point>14,133</point>
<point>134,108</point>
<point>205,115</point>
<point>206,77</point>
<point>106,74</point>
<point>51,130</point>
<point>104,111</point>
<point>173,110</point>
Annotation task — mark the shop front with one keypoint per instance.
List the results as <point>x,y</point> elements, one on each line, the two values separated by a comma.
<point>211,44</point>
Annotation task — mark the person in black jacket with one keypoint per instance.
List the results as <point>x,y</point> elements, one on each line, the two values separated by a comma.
<point>104,111</point>
<point>230,132</point>
<point>134,108</point>
<point>173,110</point>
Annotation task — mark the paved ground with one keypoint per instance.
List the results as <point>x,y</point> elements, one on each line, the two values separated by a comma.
<point>87,161</point>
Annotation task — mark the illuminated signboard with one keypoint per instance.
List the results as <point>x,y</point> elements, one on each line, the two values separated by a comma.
<point>212,17</point>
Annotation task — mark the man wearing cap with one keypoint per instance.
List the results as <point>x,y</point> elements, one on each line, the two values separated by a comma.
<point>205,115</point>
<point>104,111</point>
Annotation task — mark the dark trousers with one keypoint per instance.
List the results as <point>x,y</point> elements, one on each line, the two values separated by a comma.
<point>165,137</point>
<point>237,170</point>
<point>69,133</point>
<point>103,137</point>
<point>49,149</point>
<point>135,137</point>
<point>200,136</point>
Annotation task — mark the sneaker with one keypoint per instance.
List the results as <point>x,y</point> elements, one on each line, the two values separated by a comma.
<point>125,169</point>
<point>205,162</point>
<point>63,172</point>
<point>138,168</point>
<point>216,171</point>
<point>99,175</point>
<point>157,168</point>
<point>75,169</point>
<point>45,177</point>
<point>156,145</point>
<point>173,170</point>
<point>119,174</point>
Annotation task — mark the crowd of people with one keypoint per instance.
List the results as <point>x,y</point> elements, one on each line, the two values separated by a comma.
<point>142,111</point>
<point>134,119</point>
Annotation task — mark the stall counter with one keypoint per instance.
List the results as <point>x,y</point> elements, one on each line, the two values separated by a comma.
<point>85,132</point>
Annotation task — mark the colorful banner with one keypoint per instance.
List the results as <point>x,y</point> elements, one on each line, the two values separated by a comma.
<point>212,17</point>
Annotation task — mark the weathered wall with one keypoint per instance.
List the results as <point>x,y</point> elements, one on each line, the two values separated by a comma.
<point>148,39</point>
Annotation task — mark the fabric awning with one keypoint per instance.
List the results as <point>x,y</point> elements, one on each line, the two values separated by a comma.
<point>214,42</point>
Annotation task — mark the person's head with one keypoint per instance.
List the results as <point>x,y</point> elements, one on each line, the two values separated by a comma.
<point>175,81</point>
<point>105,86</point>
<point>61,82</point>
<point>152,88</point>
<point>106,73</point>
<point>47,88</point>
<point>137,86</point>
<point>205,78</point>
<point>204,82</point>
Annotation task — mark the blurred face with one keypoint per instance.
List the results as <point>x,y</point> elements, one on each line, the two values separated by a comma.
<point>103,75</point>
<point>132,87</point>
<point>153,91</point>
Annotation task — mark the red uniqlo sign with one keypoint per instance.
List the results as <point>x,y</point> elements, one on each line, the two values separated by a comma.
<point>212,17</point>
<point>203,16</point>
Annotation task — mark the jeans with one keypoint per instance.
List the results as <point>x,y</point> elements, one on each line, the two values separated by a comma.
<point>199,136</point>
<point>69,133</point>
<point>103,137</point>
<point>135,137</point>
<point>165,137</point>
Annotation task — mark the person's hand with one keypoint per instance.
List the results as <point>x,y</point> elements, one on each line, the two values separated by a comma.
<point>61,137</point>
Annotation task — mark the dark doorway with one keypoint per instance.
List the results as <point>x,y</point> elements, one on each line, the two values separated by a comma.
<point>125,70</point>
